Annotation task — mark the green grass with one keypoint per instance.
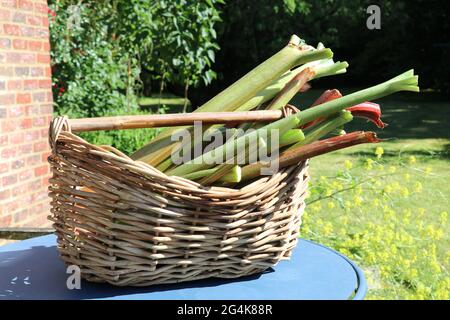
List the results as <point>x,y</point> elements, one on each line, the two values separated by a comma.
<point>394,226</point>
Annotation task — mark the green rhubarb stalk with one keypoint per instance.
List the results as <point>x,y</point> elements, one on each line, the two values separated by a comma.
<point>291,137</point>
<point>404,82</point>
<point>219,154</point>
<point>232,176</point>
<point>291,89</point>
<point>325,127</point>
<point>273,89</point>
<point>245,88</point>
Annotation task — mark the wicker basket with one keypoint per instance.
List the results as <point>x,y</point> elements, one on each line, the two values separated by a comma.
<point>126,223</point>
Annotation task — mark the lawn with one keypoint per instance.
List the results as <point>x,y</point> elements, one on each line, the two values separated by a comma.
<point>389,213</point>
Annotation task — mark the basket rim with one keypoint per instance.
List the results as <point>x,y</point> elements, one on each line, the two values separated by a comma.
<point>60,131</point>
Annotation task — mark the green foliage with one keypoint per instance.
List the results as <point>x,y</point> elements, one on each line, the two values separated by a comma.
<point>407,38</point>
<point>102,53</point>
<point>126,141</point>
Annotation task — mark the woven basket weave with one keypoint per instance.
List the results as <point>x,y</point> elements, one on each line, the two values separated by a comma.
<point>126,223</point>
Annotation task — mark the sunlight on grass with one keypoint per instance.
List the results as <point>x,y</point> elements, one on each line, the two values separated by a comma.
<point>388,213</point>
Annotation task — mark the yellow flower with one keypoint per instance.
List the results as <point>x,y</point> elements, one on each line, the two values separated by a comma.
<point>357,201</point>
<point>411,160</point>
<point>407,176</point>
<point>379,152</point>
<point>427,170</point>
<point>421,212</point>
<point>331,205</point>
<point>392,169</point>
<point>418,187</point>
<point>443,217</point>
<point>405,192</point>
<point>413,273</point>
<point>348,164</point>
<point>369,163</point>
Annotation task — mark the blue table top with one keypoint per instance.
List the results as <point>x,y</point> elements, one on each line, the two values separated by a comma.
<point>31,269</point>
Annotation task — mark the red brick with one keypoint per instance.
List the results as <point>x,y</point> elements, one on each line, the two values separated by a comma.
<point>25,148</point>
<point>41,33</point>
<point>5,43</point>
<point>4,167</point>
<point>3,140</point>
<point>26,123</point>
<point>12,206</point>
<point>8,153</point>
<point>40,171</point>
<point>46,181</point>
<point>33,160</point>
<point>39,146</point>
<point>19,44</point>
<point>6,71</point>
<point>18,164</point>
<point>32,135</point>
<point>23,98</point>
<point>48,72</point>
<point>34,20</point>
<point>5,15</point>
<point>39,96</point>
<point>5,220</point>
<point>21,215</point>
<point>46,109</point>
<point>6,99</point>
<point>39,121</point>
<point>9,180</point>
<point>27,31</point>
<point>16,111</point>
<point>30,84</point>
<point>43,58</point>
<point>9,3</point>
<point>45,155</point>
<point>5,194</point>
<point>25,175</point>
<point>15,57</point>
<point>45,84</point>
<point>46,46</point>
<point>8,125</point>
<point>11,29</point>
<point>14,84</point>
<point>19,17</point>
<point>35,45</point>
<point>16,138</point>
<point>41,7</point>
<point>25,5</point>
<point>22,71</point>
<point>31,109</point>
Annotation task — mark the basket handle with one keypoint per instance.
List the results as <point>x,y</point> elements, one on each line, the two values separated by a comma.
<point>63,123</point>
<point>168,120</point>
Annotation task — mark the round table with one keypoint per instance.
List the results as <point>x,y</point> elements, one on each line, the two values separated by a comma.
<point>31,269</point>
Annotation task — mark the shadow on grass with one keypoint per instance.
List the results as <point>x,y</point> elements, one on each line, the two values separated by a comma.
<point>409,115</point>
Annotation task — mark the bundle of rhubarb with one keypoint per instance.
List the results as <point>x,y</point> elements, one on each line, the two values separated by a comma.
<point>247,149</point>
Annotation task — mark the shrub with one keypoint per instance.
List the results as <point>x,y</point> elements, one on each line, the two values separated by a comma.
<point>100,52</point>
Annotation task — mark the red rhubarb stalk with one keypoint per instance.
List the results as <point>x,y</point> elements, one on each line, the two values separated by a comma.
<point>296,155</point>
<point>370,111</point>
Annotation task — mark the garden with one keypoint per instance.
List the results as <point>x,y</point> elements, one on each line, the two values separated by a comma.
<point>383,205</point>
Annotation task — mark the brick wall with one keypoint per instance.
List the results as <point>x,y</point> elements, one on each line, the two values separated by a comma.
<point>25,111</point>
